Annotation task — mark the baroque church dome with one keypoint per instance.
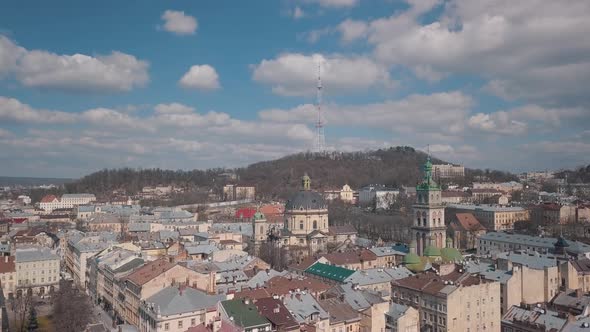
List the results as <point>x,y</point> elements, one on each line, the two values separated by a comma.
<point>306,199</point>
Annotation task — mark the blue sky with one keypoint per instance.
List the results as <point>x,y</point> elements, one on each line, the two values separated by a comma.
<point>197,84</point>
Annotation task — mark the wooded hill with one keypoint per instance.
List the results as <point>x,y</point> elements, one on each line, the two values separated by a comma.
<point>278,178</point>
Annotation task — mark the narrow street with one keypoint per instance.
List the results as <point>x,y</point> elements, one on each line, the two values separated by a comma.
<point>103,317</point>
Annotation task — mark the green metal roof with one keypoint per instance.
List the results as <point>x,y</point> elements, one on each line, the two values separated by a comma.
<point>259,216</point>
<point>431,251</point>
<point>244,315</point>
<point>331,272</point>
<point>451,255</point>
<point>428,183</point>
<point>411,258</point>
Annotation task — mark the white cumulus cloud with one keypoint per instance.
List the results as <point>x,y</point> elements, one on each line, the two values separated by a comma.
<point>115,72</point>
<point>295,74</point>
<point>531,49</point>
<point>173,108</point>
<point>200,77</point>
<point>12,110</point>
<point>179,23</point>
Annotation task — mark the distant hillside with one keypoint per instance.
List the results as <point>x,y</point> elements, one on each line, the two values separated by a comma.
<point>30,182</point>
<point>395,166</point>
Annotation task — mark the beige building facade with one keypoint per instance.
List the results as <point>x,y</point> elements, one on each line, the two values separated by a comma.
<point>451,301</point>
<point>448,171</point>
<point>37,271</point>
<point>492,217</point>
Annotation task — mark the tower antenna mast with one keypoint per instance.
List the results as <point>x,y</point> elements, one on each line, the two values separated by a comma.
<point>320,138</point>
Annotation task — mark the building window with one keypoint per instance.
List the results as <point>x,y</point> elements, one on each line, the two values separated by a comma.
<point>166,326</point>
<point>301,224</point>
<point>179,324</point>
<point>193,322</point>
<point>315,224</point>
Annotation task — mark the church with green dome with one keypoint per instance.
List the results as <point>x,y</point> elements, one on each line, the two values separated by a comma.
<point>428,227</point>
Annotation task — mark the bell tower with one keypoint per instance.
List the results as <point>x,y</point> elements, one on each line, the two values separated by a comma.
<point>428,227</point>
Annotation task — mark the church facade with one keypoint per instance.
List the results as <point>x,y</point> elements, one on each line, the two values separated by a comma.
<point>305,223</point>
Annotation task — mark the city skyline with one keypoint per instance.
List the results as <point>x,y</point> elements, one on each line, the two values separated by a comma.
<point>213,84</point>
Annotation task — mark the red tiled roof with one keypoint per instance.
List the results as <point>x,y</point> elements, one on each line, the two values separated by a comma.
<point>149,271</point>
<point>304,264</point>
<point>431,283</point>
<point>350,257</point>
<point>276,312</point>
<point>48,199</point>
<point>19,220</point>
<point>229,327</point>
<point>468,222</point>
<point>7,264</point>
<point>271,209</point>
<point>199,328</point>
<point>245,213</point>
<point>550,206</point>
<point>252,294</point>
<point>282,285</point>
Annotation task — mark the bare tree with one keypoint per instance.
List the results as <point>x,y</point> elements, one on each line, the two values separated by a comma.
<point>21,306</point>
<point>274,254</point>
<point>71,309</point>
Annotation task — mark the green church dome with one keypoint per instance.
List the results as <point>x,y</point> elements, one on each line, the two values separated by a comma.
<point>259,216</point>
<point>431,251</point>
<point>451,255</point>
<point>411,258</point>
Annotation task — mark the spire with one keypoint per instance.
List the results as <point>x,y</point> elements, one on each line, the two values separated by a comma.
<point>428,182</point>
<point>306,182</point>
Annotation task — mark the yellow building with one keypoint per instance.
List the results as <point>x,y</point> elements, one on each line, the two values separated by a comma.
<point>346,194</point>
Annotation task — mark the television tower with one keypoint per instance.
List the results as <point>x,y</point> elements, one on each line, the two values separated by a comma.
<point>320,138</point>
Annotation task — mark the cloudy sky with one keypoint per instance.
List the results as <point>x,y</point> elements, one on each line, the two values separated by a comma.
<point>196,84</point>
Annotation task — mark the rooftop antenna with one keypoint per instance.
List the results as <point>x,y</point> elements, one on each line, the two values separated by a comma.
<point>320,138</point>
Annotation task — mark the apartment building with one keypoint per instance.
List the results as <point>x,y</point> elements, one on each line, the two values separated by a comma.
<point>447,171</point>
<point>342,316</point>
<point>492,217</point>
<point>451,300</point>
<point>8,276</point>
<point>402,318</point>
<point>80,247</point>
<point>37,270</point>
<point>553,214</point>
<point>506,187</point>
<point>178,308</point>
<point>114,262</point>
<point>234,192</point>
<point>67,201</point>
<point>151,277</point>
<point>496,242</point>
